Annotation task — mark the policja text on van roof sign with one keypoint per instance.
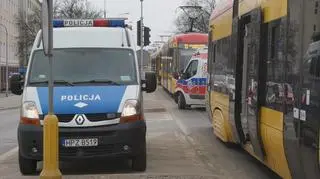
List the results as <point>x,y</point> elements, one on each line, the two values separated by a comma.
<point>78,23</point>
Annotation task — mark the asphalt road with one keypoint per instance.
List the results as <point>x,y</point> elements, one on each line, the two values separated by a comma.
<point>180,145</point>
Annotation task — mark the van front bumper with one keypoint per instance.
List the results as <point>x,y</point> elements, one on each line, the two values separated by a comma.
<point>121,140</point>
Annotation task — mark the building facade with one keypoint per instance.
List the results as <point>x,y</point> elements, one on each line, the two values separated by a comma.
<point>9,10</point>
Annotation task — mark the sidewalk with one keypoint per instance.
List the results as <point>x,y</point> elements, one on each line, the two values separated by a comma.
<point>10,102</point>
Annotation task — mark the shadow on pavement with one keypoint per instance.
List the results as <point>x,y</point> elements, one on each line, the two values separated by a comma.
<point>95,167</point>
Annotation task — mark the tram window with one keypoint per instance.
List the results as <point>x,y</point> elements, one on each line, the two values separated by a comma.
<point>211,63</point>
<point>274,79</point>
<point>171,61</point>
<point>214,53</point>
<point>274,37</point>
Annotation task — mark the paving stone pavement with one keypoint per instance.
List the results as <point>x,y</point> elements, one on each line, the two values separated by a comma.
<point>172,153</point>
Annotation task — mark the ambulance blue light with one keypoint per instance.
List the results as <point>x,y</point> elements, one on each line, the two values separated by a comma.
<point>58,23</point>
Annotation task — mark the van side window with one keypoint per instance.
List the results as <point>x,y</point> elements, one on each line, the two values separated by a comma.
<point>192,69</point>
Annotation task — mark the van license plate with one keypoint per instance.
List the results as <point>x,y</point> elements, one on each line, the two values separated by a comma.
<point>80,142</point>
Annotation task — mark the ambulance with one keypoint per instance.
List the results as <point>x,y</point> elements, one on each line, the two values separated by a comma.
<point>97,94</point>
<point>192,84</point>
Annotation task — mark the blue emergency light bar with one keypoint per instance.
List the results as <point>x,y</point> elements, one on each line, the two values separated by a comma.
<point>88,23</point>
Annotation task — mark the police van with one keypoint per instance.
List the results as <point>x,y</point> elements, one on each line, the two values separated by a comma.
<point>192,84</point>
<point>97,94</point>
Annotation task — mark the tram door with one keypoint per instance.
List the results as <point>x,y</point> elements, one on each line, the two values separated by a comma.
<point>250,81</point>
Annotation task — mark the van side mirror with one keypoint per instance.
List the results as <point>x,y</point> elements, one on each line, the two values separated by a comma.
<point>16,82</point>
<point>150,82</point>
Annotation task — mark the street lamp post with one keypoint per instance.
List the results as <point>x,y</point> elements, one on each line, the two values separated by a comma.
<point>50,127</point>
<point>7,65</point>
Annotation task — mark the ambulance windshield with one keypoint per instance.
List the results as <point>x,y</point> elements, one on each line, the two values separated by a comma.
<point>86,66</point>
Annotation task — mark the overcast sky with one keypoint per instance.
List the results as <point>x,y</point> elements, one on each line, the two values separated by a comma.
<point>159,15</point>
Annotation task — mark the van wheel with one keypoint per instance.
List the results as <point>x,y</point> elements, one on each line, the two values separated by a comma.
<point>181,101</point>
<point>27,166</point>
<point>139,163</point>
<point>175,97</point>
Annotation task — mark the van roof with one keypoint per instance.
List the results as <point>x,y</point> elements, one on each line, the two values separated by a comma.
<point>88,37</point>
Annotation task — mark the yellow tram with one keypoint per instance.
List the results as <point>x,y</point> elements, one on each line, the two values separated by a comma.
<point>264,84</point>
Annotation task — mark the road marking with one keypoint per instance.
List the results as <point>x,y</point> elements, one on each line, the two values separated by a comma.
<point>8,154</point>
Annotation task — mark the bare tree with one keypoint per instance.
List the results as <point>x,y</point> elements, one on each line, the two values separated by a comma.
<point>195,19</point>
<point>75,9</point>
<point>28,27</point>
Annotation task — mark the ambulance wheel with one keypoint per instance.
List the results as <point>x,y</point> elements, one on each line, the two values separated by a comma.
<point>175,97</point>
<point>27,166</point>
<point>139,162</point>
<point>181,101</point>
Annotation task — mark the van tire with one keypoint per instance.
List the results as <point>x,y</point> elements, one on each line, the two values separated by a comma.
<point>181,101</point>
<point>27,166</point>
<point>175,97</point>
<point>139,162</point>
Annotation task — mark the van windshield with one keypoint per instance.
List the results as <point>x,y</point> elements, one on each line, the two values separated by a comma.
<point>85,66</point>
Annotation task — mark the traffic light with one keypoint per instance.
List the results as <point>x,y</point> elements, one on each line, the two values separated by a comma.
<point>139,33</point>
<point>146,35</point>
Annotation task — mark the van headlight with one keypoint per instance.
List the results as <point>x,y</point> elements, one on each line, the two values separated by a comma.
<point>129,108</point>
<point>131,112</point>
<point>29,113</point>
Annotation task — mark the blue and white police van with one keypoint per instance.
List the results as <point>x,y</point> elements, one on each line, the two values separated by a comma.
<point>97,94</point>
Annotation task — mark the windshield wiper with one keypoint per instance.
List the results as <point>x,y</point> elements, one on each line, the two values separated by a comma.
<point>97,81</point>
<point>54,82</point>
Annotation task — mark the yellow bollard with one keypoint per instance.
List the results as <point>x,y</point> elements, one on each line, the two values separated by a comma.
<point>50,149</point>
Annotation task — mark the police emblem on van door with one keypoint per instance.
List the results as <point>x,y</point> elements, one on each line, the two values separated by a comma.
<point>80,119</point>
<point>81,105</point>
